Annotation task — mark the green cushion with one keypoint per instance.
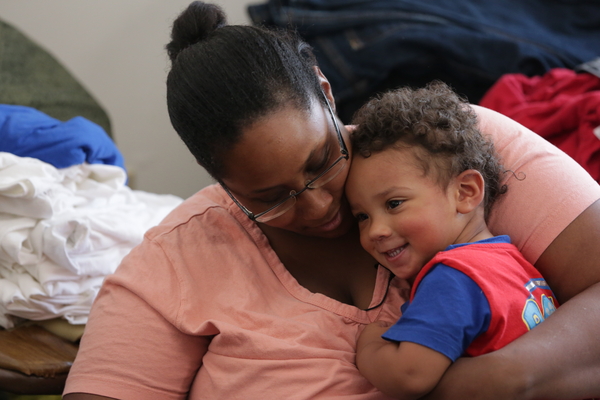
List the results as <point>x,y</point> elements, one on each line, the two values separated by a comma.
<point>30,76</point>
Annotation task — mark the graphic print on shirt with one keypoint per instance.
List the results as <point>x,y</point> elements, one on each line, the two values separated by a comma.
<point>540,304</point>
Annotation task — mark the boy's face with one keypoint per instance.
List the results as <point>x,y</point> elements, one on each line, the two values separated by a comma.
<point>405,217</point>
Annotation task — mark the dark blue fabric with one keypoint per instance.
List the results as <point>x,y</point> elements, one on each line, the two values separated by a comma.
<point>27,132</point>
<point>366,46</point>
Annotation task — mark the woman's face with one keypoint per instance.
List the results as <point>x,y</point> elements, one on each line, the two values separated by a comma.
<point>280,153</point>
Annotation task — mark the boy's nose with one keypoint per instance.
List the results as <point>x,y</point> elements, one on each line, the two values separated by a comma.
<point>379,230</point>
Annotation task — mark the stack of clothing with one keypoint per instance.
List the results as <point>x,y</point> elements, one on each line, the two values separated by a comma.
<point>63,229</point>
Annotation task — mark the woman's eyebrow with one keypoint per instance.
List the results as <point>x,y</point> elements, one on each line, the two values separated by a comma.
<point>314,155</point>
<point>260,191</point>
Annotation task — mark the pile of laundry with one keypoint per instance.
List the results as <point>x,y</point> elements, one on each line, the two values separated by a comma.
<point>562,106</point>
<point>63,229</point>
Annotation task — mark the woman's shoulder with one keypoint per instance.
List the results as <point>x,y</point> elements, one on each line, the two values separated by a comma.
<point>547,189</point>
<point>191,256</point>
<point>208,210</point>
<point>198,231</point>
<point>501,128</point>
<point>197,204</point>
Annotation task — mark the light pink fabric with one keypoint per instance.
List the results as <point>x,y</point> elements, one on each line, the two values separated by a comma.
<point>205,305</point>
<point>546,188</point>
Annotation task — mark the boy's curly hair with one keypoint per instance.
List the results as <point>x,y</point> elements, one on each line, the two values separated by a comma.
<point>440,125</point>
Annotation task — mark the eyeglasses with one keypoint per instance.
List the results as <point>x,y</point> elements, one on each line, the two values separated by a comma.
<point>320,180</point>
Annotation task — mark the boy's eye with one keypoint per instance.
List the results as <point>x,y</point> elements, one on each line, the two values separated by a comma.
<point>361,217</point>
<point>394,203</point>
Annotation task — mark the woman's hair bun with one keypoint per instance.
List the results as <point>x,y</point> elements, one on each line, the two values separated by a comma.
<point>194,24</point>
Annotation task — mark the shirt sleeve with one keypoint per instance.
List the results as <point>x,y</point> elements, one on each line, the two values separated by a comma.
<point>132,347</point>
<point>448,312</point>
<point>533,212</point>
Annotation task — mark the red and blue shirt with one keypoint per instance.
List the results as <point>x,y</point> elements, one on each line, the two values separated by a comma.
<point>474,298</point>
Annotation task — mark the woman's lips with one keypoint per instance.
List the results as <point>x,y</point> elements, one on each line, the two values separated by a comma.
<point>332,224</point>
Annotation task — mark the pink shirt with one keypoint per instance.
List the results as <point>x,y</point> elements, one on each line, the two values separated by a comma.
<point>204,305</point>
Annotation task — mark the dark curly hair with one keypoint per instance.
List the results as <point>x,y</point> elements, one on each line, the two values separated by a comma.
<point>439,124</point>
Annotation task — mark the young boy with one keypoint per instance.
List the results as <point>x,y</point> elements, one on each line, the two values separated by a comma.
<point>421,184</point>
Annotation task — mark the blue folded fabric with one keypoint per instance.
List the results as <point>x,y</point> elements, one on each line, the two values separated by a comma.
<point>27,132</point>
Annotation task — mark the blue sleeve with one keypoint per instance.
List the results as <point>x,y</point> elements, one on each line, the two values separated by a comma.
<point>448,312</point>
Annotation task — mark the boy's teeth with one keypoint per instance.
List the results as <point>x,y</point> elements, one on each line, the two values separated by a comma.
<point>395,252</point>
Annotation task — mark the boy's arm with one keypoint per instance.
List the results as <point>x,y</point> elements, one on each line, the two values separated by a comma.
<point>403,370</point>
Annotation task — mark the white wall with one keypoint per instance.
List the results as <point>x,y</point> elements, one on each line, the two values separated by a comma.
<point>115,48</point>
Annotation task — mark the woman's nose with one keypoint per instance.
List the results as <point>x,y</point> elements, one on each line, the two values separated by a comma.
<point>315,203</point>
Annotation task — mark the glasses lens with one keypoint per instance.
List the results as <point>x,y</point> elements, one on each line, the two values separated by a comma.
<point>329,174</point>
<point>277,211</point>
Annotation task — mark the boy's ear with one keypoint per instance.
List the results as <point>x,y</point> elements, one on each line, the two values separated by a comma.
<point>470,191</point>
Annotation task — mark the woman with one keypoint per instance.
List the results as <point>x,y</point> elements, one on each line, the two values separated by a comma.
<point>258,287</point>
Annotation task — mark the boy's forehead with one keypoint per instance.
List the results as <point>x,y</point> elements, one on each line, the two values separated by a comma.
<point>366,170</point>
<point>391,165</point>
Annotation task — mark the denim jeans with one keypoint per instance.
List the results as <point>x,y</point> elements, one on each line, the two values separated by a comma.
<point>367,46</point>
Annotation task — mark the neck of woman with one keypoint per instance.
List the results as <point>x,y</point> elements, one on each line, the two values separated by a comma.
<point>338,268</point>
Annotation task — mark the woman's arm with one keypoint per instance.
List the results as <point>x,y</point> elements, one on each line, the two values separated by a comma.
<point>560,358</point>
<point>401,370</point>
<point>133,345</point>
<point>572,262</point>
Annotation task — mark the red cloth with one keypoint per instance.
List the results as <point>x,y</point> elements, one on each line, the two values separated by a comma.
<point>562,106</point>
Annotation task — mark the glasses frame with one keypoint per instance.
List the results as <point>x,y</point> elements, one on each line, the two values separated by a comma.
<point>293,194</point>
